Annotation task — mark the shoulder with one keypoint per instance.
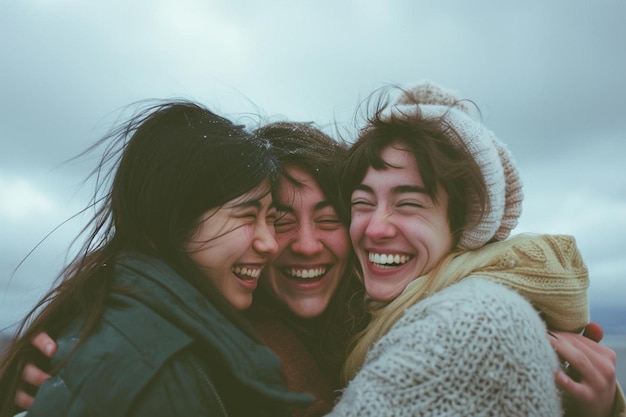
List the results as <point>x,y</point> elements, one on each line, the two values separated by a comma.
<point>131,266</point>
<point>475,314</point>
<point>84,387</point>
<point>112,366</point>
<point>477,296</point>
<point>471,347</point>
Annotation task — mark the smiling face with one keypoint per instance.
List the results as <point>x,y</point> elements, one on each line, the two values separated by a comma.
<point>233,243</point>
<point>398,231</point>
<point>312,247</point>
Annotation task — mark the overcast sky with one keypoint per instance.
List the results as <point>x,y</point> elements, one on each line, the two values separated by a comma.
<point>548,76</point>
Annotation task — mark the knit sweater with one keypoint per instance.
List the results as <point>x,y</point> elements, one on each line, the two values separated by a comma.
<point>476,347</point>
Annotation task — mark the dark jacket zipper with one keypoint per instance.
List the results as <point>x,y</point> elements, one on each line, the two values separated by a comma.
<point>207,379</point>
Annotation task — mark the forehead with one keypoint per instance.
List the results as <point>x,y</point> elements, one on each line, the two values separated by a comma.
<point>258,193</point>
<point>299,174</point>
<point>307,191</point>
<point>399,163</point>
<point>398,156</point>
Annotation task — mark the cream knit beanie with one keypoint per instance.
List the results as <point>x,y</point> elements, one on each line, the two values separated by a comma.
<point>496,164</point>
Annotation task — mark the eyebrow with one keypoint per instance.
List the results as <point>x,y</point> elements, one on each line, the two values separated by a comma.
<point>289,209</point>
<point>400,189</point>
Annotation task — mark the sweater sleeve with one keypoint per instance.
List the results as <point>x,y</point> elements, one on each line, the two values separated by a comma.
<point>474,348</point>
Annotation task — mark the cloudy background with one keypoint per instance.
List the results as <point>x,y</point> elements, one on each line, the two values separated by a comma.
<point>548,76</point>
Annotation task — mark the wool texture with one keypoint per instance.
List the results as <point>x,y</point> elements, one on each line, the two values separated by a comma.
<point>475,348</point>
<point>548,270</point>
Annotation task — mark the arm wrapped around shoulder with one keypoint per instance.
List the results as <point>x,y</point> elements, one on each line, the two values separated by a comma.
<point>474,348</point>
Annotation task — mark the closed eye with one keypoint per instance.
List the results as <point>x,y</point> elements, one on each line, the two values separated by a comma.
<point>330,223</point>
<point>249,215</point>
<point>284,224</point>
<point>271,218</point>
<point>361,203</point>
<point>411,204</point>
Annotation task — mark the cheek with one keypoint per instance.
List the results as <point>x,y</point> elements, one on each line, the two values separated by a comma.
<point>358,224</point>
<point>423,234</point>
<point>342,241</point>
<point>197,248</point>
<point>440,239</point>
<point>338,241</point>
<point>203,259</point>
<point>243,235</point>
<point>283,240</point>
<point>232,245</point>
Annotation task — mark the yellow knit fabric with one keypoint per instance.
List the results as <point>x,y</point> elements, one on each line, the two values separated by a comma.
<point>548,270</point>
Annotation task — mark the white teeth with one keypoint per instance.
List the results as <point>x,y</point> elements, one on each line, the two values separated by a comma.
<point>306,273</point>
<point>246,273</point>
<point>387,259</point>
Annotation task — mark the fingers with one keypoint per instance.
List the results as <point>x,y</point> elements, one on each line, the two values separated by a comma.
<point>596,352</point>
<point>591,377</point>
<point>33,375</point>
<point>23,400</point>
<point>45,344</point>
<point>594,332</point>
<point>594,362</point>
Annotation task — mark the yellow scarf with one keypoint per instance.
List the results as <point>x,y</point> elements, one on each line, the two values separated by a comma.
<point>547,270</point>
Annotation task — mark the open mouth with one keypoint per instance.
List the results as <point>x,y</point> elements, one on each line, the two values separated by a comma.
<point>388,261</point>
<point>246,273</point>
<point>305,274</point>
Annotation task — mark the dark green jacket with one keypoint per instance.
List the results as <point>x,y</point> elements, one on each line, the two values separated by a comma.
<point>163,350</point>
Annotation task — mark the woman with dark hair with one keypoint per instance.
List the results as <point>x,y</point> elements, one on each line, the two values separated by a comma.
<point>147,316</point>
<point>299,308</point>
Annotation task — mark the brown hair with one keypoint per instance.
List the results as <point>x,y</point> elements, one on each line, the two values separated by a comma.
<point>440,163</point>
<point>305,146</point>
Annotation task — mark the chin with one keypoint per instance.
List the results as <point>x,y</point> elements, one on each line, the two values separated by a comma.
<point>241,304</point>
<point>382,294</point>
<point>309,312</point>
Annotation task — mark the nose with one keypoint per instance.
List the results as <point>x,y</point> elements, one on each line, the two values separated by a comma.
<point>264,241</point>
<point>380,225</point>
<point>307,243</point>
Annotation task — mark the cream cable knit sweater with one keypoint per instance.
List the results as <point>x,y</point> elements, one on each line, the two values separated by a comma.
<point>477,348</point>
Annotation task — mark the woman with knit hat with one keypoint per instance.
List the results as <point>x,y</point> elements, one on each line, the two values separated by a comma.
<point>459,314</point>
